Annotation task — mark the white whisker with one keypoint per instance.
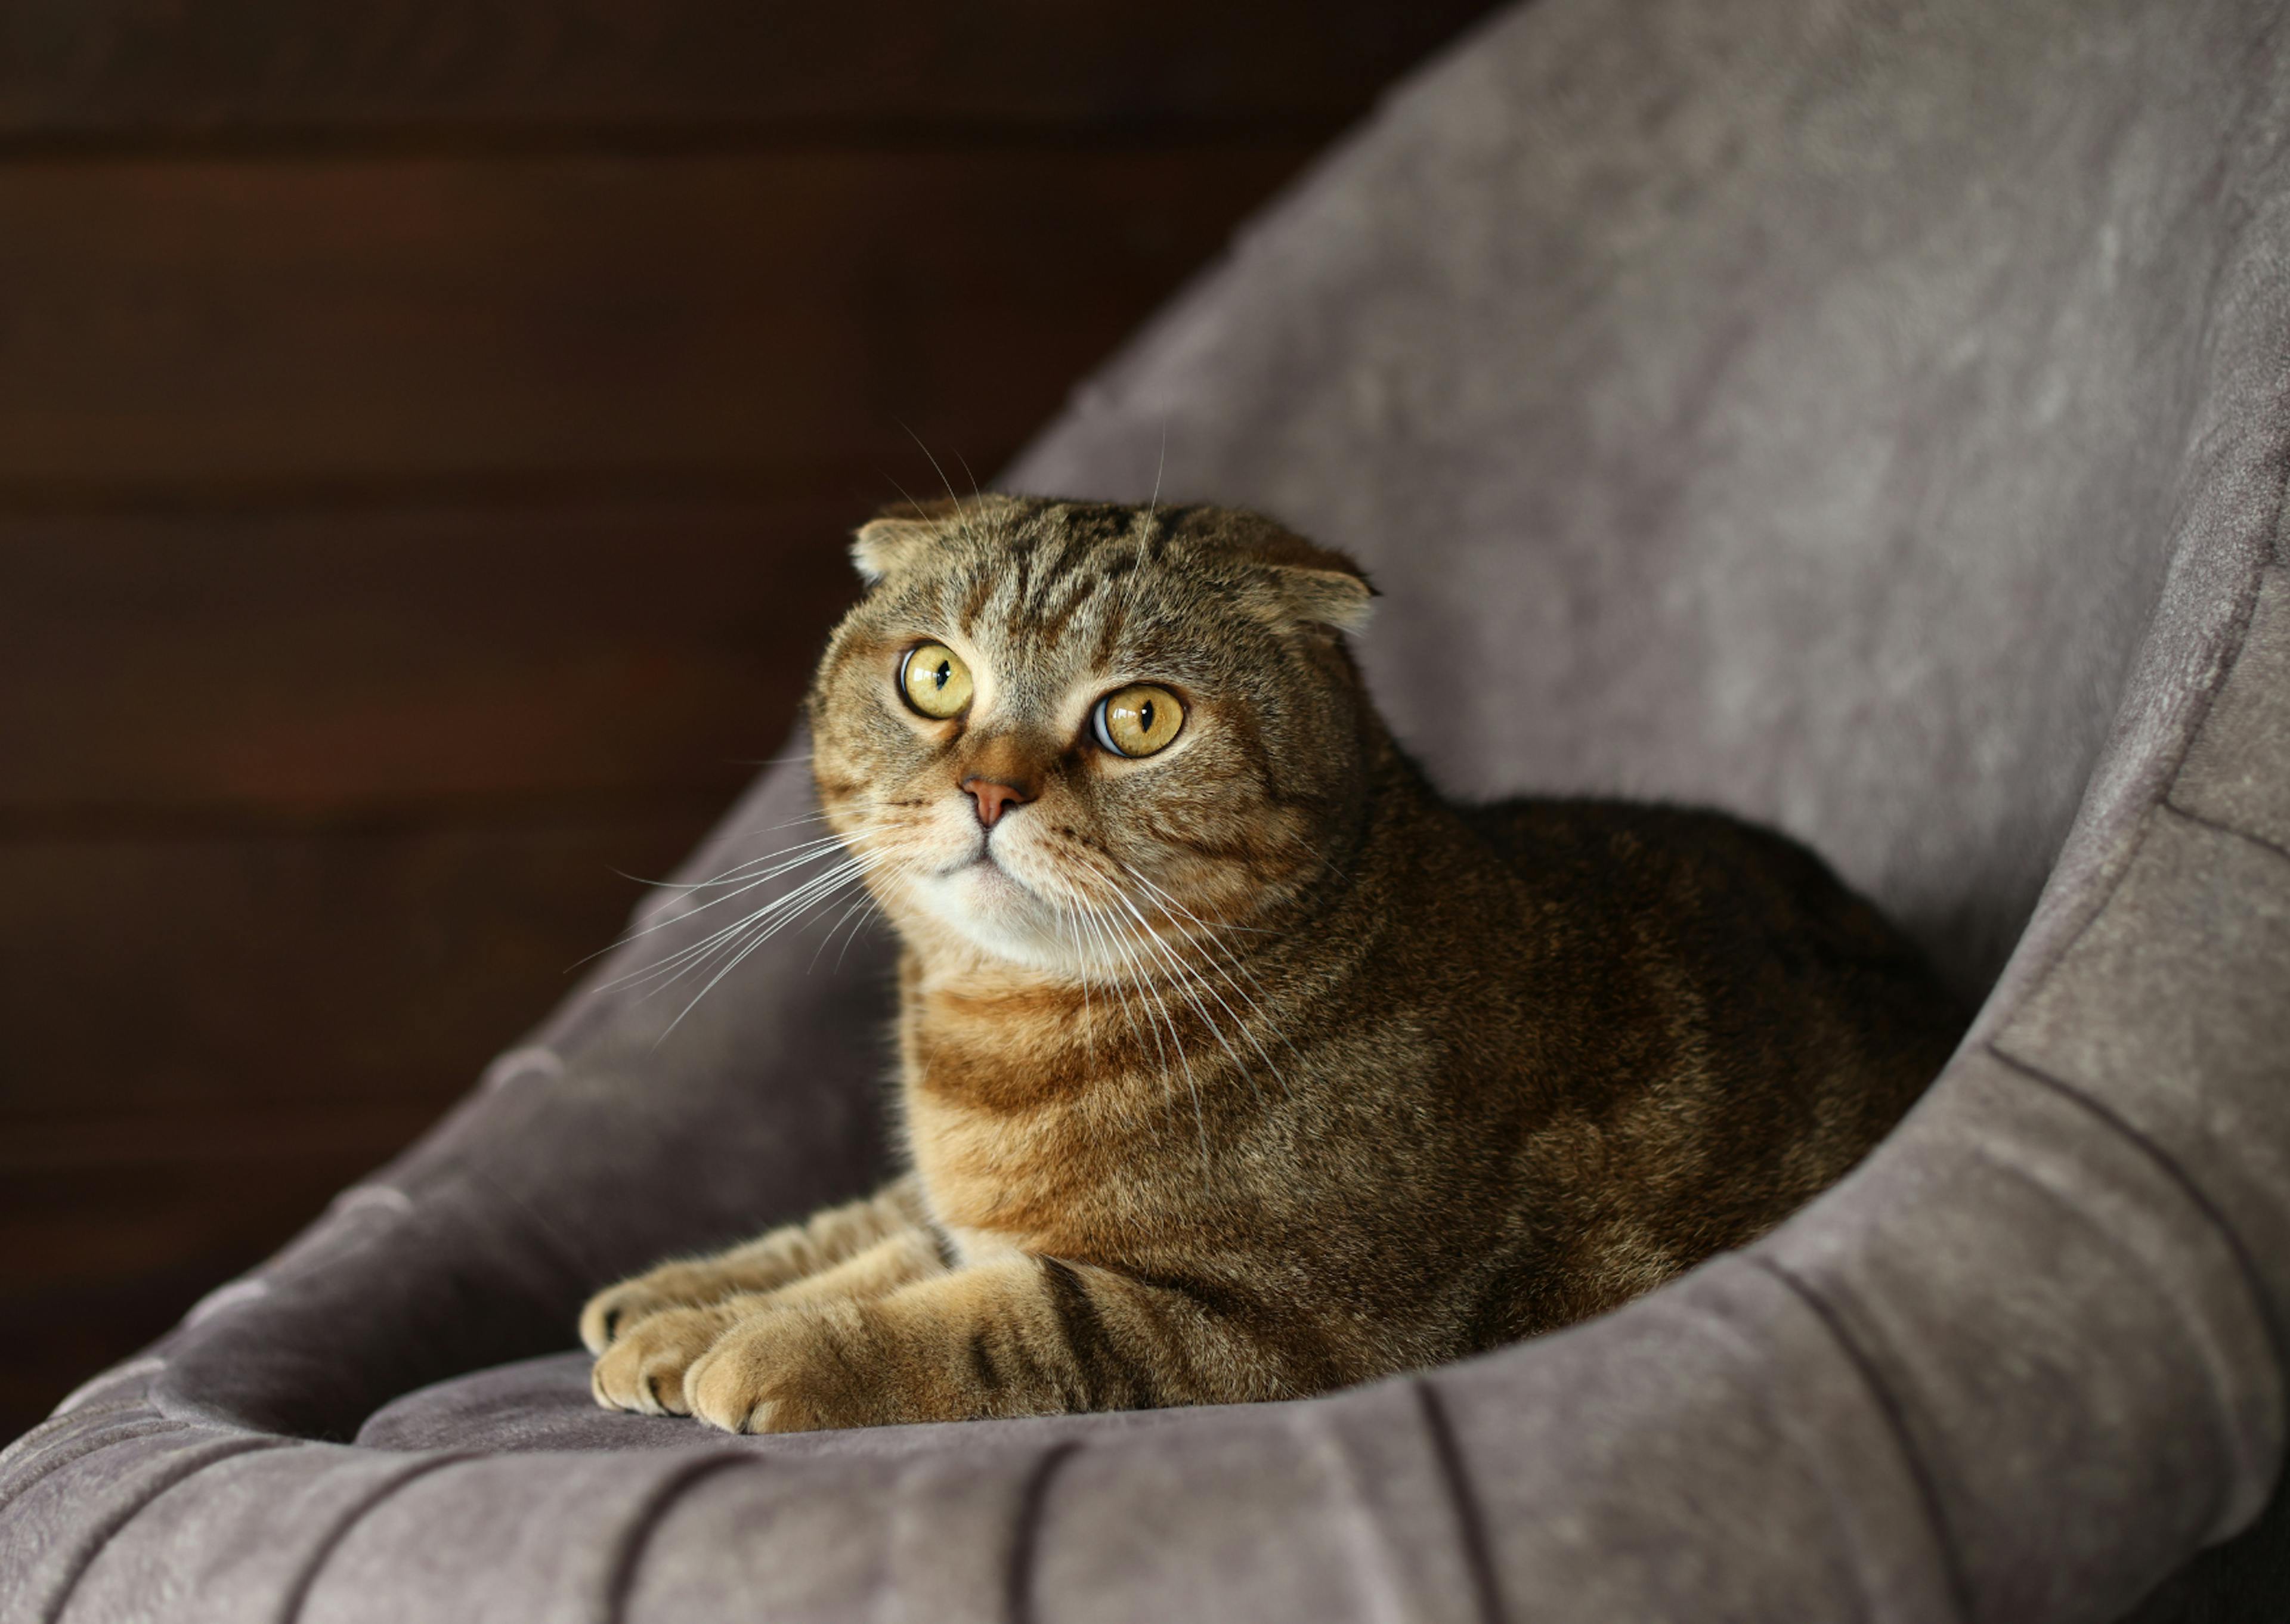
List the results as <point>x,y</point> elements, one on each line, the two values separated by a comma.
<point>1181,981</point>
<point>857,870</point>
<point>1221,954</point>
<point>827,881</point>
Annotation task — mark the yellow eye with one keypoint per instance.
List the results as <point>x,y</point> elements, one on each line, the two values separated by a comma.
<point>1140,720</point>
<point>934,680</point>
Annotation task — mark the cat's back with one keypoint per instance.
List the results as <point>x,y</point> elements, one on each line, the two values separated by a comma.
<point>1777,948</point>
<point>1705,870</point>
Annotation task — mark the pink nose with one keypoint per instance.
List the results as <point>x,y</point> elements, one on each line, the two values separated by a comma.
<point>994,798</point>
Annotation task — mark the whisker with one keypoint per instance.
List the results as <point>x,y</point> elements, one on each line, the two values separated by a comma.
<point>867,918</point>
<point>725,876</point>
<point>865,898</point>
<point>1137,980</point>
<point>1217,947</point>
<point>1178,979</point>
<point>827,881</point>
<point>1111,945</point>
<point>1088,1020</point>
<point>1089,915</point>
<point>737,871</point>
<point>1146,988</point>
<point>817,850</point>
<point>952,495</point>
<point>858,869</point>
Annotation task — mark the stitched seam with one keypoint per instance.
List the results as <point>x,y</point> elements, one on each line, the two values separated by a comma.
<point>1896,1420</point>
<point>21,1484</point>
<point>297,1593</point>
<point>2253,1279</point>
<point>2260,841</point>
<point>2277,529</point>
<point>100,1534</point>
<point>2237,638</point>
<point>2245,613</point>
<point>1026,1535</point>
<point>650,1513</point>
<point>1471,1518</point>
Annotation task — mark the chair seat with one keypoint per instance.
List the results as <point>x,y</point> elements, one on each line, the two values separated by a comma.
<point>543,1404</point>
<point>1869,419</point>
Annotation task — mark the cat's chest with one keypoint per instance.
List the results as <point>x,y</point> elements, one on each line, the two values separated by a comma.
<point>1014,1134</point>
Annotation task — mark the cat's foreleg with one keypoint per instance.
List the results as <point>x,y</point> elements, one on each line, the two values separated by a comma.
<point>776,1260</point>
<point>1019,1336</point>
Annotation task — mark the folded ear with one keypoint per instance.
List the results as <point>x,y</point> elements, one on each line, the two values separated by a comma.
<point>883,547</point>
<point>899,538</point>
<point>1315,586</point>
<point>1341,598</point>
<point>896,537</point>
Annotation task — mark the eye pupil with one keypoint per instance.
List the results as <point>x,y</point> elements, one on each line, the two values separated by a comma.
<point>939,677</point>
<point>1145,717</point>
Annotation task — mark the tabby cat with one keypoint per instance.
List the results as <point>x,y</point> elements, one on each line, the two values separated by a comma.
<point>1235,1063</point>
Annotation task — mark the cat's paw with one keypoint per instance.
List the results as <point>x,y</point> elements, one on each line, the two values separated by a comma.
<point>617,1309</point>
<point>797,1370</point>
<point>644,1367</point>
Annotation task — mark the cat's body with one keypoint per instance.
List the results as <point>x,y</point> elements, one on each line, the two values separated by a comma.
<point>1250,1069</point>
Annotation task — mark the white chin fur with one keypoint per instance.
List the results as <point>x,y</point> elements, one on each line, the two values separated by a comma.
<point>992,910</point>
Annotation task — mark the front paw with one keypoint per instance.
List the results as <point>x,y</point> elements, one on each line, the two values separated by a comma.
<point>797,1370</point>
<point>643,1369</point>
<point>617,1309</point>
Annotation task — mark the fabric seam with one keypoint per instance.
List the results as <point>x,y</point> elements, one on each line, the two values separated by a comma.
<point>100,1534</point>
<point>1896,1422</point>
<point>2245,1264</point>
<point>2260,841</point>
<point>1470,1519</point>
<point>1026,1535</point>
<point>650,1513</point>
<point>306,1578</point>
<point>2237,637</point>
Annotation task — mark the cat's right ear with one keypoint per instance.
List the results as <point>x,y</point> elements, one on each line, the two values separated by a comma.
<point>897,537</point>
<point>887,545</point>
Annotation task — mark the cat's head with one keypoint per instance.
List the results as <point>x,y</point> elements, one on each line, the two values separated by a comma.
<point>1057,730</point>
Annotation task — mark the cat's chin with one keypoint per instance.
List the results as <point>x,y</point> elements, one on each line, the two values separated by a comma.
<point>990,909</point>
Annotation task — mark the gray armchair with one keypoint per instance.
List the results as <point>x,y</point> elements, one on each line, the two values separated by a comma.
<point>1871,420</point>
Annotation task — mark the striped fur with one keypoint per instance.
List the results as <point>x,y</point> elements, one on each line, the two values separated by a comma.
<point>1254,1068</point>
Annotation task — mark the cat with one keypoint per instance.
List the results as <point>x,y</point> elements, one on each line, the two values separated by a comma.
<point>1235,1063</point>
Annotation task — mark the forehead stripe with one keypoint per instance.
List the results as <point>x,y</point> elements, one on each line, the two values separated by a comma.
<point>1052,622</point>
<point>973,602</point>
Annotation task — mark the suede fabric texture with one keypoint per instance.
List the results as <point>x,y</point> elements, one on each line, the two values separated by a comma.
<point>1870,419</point>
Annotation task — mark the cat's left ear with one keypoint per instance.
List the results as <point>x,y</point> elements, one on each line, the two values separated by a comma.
<point>1313,585</point>
<point>1341,598</point>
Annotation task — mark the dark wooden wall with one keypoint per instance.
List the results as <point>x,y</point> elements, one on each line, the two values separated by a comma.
<point>426,431</point>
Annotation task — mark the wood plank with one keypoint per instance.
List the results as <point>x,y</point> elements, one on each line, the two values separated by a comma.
<point>320,664</point>
<point>321,975</point>
<point>203,1038</point>
<point>135,71</point>
<point>205,327</point>
<point>91,1149</point>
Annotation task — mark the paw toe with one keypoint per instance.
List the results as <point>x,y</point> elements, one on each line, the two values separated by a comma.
<point>643,1369</point>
